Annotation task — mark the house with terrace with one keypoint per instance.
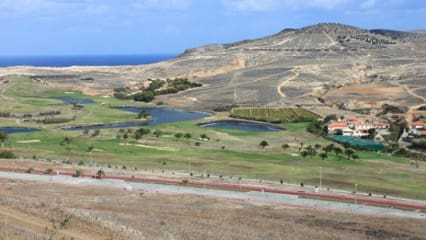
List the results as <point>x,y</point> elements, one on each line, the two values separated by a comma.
<point>418,128</point>
<point>356,127</point>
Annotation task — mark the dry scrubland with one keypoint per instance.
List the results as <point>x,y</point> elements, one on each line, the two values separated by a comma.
<point>32,210</point>
<point>332,63</point>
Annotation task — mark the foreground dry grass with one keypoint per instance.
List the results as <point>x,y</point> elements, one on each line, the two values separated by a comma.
<point>30,210</point>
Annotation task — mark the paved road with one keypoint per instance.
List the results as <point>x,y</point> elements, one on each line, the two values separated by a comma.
<point>340,197</point>
<point>251,196</point>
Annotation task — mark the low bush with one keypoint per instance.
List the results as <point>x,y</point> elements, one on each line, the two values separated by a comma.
<point>7,155</point>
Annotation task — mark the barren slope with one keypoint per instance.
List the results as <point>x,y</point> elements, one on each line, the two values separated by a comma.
<point>31,210</point>
<point>321,62</point>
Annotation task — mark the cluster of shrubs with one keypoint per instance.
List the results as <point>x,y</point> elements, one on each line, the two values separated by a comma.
<point>54,120</point>
<point>225,108</point>
<point>148,94</point>
<point>370,39</point>
<point>49,113</point>
<point>5,114</point>
<point>7,155</point>
<point>29,115</point>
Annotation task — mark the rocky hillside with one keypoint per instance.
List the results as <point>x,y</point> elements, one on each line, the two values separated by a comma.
<point>335,64</point>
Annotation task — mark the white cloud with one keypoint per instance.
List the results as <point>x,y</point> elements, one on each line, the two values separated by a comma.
<point>162,4</point>
<point>26,6</point>
<point>368,4</point>
<point>270,5</point>
<point>96,9</point>
<point>250,5</point>
<point>51,8</point>
<point>328,4</point>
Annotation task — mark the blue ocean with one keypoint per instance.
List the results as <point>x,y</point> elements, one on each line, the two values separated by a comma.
<point>67,61</point>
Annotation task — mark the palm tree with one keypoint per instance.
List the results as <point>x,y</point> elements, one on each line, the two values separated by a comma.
<point>329,148</point>
<point>204,136</point>
<point>187,136</point>
<point>349,152</point>
<point>100,174</point>
<point>3,138</point>
<point>263,144</point>
<point>96,133</point>
<point>78,172</point>
<point>323,155</point>
<point>157,133</point>
<point>143,114</point>
<point>125,137</point>
<point>178,135</point>
<point>90,150</point>
<point>66,141</point>
<point>141,132</point>
<point>337,151</point>
<point>311,150</point>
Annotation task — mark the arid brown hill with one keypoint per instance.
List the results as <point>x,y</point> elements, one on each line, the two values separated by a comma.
<point>331,63</point>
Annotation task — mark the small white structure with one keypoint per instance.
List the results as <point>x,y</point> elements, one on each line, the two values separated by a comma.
<point>355,128</point>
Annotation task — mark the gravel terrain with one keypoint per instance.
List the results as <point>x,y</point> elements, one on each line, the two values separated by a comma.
<point>68,208</point>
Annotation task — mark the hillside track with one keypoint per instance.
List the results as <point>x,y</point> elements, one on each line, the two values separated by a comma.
<point>292,78</point>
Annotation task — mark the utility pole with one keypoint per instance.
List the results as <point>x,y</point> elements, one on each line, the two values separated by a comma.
<point>204,178</point>
<point>189,167</point>
<point>90,150</point>
<point>356,196</point>
<point>320,185</point>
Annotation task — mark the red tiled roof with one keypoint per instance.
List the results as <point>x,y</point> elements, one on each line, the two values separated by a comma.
<point>338,125</point>
<point>417,123</point>
<point>423,133</point>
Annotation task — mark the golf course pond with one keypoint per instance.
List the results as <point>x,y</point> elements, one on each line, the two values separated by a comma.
<point>242,126</point>
<point>166,115</point>
<point>158,116</point>
<point>10,130</point>
<point>72,100</point>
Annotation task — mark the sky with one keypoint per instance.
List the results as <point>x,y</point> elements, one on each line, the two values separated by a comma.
<point>102,27</point>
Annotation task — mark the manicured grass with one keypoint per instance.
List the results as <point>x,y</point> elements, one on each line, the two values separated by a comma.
<point>245,159</point>
<point>241,154</point>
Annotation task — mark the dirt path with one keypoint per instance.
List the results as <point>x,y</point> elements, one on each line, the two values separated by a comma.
<point>296,75</point>
<point>413,109</point>
<point>332,41</point>
<point>411,92</point>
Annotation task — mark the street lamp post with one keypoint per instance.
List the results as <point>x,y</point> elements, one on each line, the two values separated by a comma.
<point>320,185</point>
<point>356,191</point>
<point>189,167</point>
<point>204,178</point>
<point>91,160</point>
